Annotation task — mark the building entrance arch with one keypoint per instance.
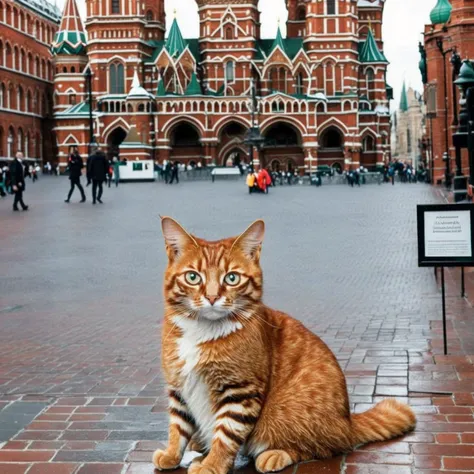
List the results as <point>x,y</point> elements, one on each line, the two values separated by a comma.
<point>114,140</point>
<point>283,143</point>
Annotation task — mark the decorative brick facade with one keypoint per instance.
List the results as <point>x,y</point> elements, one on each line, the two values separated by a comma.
<point>27,28</point>
<point>321,91</point>
<point>456,33</point>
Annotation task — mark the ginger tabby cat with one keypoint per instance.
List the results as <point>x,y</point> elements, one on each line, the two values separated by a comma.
<point>244,377</point>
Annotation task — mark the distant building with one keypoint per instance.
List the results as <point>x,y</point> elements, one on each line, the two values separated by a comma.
<point>321,91</point>
<point>451,29</point>
<point>409,127</point>
<point>27,29</point>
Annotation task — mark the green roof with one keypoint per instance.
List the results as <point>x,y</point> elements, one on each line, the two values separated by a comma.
<point>441,12</point>
<point>404,99</point>
<point>161,88</point>
<point>279,41</point>
<point>78,109</point>
<point>69,42</point>
<point>193,88</point>
<point>175,43</point>
<point>192,44</point>
<point>291,46</point>
<point>369,51</point>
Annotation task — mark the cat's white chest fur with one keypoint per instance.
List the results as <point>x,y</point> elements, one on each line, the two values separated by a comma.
<point>195,391</point>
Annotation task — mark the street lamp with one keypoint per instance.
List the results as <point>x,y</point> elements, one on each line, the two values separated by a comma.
<point>92,142</point>
<point>464,136</point>
<point>446,158</point>
<point>253,137</point>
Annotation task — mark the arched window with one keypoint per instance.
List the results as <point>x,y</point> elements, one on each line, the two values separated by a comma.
<point>3,96</point>
<point>368,144</point>
<point>117,85</point>
<point>229,72</point>
<point>115,7</point>
<point>301,15</point>
<point>10,142</point>
<point>20,140</point>
<point>149,15</point>
<point>72,99</point>
<point>73,69</point>
<point>16,58</point>
<point>331,5</point>
<point>229,33</point>
<point>408,140</point>
<point>299,84</point>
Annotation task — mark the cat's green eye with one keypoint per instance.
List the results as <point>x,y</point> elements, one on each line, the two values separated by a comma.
<point>232,279</point>
<point>192,278</point>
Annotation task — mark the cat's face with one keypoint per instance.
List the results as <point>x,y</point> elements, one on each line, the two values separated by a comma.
<point>212,280</point>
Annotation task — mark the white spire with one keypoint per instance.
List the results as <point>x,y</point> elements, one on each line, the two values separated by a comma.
<point>137,90</point>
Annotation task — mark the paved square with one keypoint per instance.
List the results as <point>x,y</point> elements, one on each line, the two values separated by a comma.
<point>81,300</point>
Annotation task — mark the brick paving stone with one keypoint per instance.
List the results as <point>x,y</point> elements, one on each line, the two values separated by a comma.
<point>100,385</point>
<point>53,468</point>
<point>101,469</point>
<point>14,468</point>
<point>25,456</point>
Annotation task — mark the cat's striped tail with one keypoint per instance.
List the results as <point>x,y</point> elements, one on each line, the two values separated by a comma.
<point>388,419</point>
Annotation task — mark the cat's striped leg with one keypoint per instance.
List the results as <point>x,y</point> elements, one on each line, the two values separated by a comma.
<point>181,429</point>
<point>236,415</point>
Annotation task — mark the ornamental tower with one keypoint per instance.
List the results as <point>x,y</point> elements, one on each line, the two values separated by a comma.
<point>296,24</point>
<point>228,32</point>
<point>70,58</point>
<point>119,33</point>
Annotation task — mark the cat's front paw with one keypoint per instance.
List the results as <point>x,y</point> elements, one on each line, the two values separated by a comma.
<point>273,461</point>
<point>197,468</point>
<point>164,461</point>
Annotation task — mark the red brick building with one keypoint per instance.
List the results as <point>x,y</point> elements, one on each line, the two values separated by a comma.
<point>27,28</point>
<point>322,94</point>
<point>451,28</point>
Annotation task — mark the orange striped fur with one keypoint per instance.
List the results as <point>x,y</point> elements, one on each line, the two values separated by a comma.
<point>244,377</point>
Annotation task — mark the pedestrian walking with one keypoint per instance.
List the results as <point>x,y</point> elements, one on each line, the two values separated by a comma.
<point>97,167</point>
<point>3,181</point>
<point>17,176</point>
<point>250,181</point>
<point>75,165</point>
<point>167,170</point>
<point>110,172</point>
<point>116,166</point>
<point>174,173</point>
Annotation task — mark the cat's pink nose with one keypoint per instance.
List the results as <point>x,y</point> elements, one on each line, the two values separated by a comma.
<point>212,299</point>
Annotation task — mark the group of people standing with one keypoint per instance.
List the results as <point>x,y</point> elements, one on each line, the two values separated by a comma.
<point>99,170</point>
<point>168,171</point>
<point>259,182</point>
<point>405,171</point>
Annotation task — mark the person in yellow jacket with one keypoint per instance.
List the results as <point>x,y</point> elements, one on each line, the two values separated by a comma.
<point>250,182</point>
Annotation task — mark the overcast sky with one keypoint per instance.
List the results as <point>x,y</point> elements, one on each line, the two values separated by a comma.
<point>403,24</point>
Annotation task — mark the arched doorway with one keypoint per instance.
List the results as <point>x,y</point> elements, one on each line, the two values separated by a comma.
<point>331,147</point>
<point>275,166</point>
<point>231,139</point>
<point>185,143</point>
<point>114,140</point>
<point>283,143</point>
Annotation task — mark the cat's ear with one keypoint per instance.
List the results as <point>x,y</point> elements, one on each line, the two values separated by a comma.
<point>250,242</point>
<point>176,238</point>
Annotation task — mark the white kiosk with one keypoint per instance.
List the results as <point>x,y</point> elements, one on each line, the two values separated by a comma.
<point>138,170</point>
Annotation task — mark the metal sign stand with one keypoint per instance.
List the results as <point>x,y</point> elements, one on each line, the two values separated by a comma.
<point>445,331</point>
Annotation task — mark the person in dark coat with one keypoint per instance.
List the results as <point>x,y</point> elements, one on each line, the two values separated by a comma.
<point>97,169</point>
<point>174,173</point>
<point>75,165</point>
<point>17,176</point>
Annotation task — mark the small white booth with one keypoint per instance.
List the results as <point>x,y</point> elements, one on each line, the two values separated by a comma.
<point>138,170</point>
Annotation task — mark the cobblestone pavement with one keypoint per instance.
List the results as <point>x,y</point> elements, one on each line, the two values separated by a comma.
<point>80,307</point>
